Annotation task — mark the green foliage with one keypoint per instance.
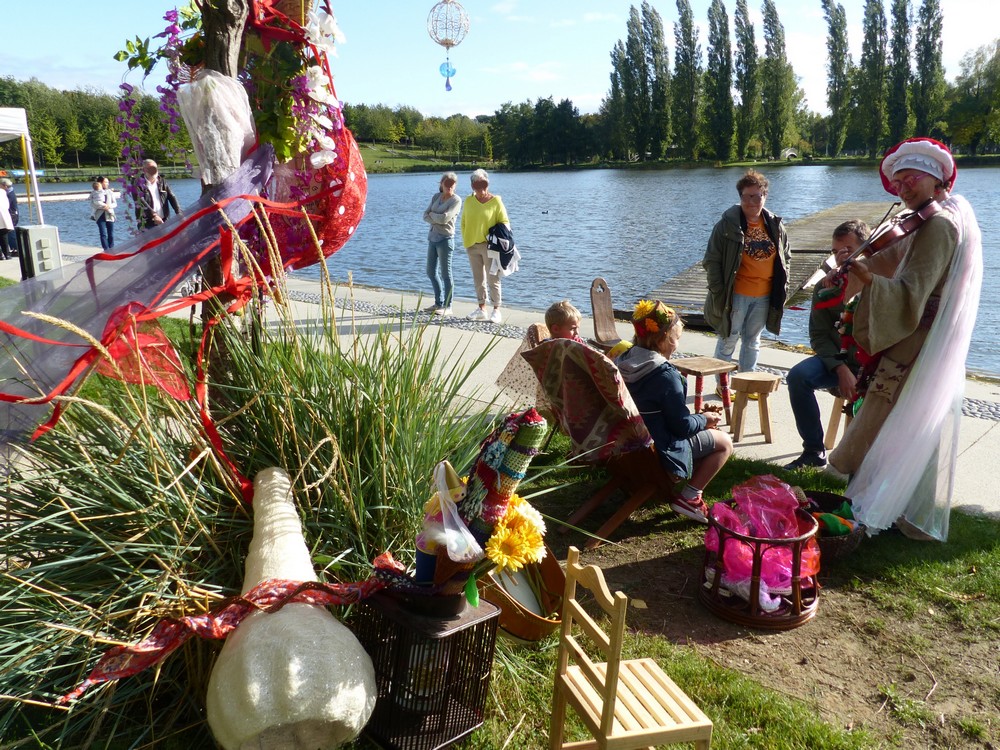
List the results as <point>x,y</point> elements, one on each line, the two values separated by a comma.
<point>719,122</point>
<point>872,79</point>
<point>928,80</point>
<point>898,101</point>
<point>839,67</point>
<point>686,84</point>
<point>124,514</point>
<point>777,82</point>
<point>641,73</point>
<point>747,80</point>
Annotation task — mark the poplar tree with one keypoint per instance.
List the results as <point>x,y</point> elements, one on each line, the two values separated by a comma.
<point>642,74</point>
<point>613,108</point>
<point>838,74</point>
<point>777,81</point>
<point>747,78</point>
<point>871,110</point>
<point>656,50</point>
<point>719,118</point>
<point>928,84</point>
<point>687,81</point>
<point>897,96</point>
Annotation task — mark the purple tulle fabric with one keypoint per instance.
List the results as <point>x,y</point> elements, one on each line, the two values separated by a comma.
<point>86,295</point>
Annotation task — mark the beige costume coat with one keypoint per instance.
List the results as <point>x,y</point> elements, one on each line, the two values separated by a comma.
<point>893,318</point>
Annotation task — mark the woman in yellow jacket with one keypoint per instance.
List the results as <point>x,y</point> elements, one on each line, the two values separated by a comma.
<point>481,211</point>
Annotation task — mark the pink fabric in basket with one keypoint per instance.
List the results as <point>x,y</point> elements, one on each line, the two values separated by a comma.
<point>763,507</point>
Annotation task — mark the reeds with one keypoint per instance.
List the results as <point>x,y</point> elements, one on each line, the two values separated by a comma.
<point>124,514</point>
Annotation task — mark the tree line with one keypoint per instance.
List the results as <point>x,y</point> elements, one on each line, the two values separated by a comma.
<point>738,100</point>
<point>741,99</point>
<point>83,127</point>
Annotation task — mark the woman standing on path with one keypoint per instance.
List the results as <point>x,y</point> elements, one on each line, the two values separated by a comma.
<point>916,324</point>
<point>747,263</point>
<point>103,203</point>
<point>6,225</point>
<point>441,215</point>
<point>481,211</point>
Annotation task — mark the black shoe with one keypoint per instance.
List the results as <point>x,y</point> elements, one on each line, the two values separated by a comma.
<point>808,459</point>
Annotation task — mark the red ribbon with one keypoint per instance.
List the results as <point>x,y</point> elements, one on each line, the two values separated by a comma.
<point>267,596</point>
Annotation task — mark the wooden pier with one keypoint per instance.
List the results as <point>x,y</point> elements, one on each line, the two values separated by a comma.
<point>809,240</point>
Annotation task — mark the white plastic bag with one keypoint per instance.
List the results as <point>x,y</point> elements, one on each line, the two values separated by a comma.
<point>218,118</point>
<point>461,544</point>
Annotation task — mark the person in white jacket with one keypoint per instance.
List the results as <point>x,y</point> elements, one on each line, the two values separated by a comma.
<point>103,203</point>
<point>6,225</point>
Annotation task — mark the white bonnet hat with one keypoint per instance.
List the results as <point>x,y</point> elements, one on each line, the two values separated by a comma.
<point>924,154</point>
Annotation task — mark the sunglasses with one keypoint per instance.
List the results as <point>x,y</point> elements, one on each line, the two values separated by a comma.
<point>907,182</point>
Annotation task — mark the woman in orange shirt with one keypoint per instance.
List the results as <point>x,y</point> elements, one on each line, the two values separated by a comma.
<point>747,264</point>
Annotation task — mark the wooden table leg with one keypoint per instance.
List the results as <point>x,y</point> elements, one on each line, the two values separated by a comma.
<point>699,384</point>
<point>726,401</point>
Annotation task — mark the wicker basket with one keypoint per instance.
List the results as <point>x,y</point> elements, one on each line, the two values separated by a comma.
<point>834,547</point>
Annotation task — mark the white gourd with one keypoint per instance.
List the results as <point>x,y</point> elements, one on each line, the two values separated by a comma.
<point>295,679</point>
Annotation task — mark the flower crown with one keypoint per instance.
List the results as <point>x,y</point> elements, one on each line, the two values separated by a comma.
<point>652,316</point>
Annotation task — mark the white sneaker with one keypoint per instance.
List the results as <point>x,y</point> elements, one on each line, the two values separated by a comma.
<point>495,316</point>
<point>477,314</point>
<point>443,311</point>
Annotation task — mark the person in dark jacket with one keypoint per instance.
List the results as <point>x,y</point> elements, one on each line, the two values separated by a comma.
<point>829,367</point>
<point>689,445</point>
<point>746,264</point>
<point>155,198</point>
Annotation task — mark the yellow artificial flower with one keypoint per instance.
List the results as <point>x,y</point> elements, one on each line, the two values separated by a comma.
<point>510,548</point>
<point>643,308</point>
<point>520,512</point>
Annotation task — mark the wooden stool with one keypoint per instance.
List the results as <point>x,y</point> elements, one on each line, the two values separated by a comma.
<point>833,426</point>
<point>761,383</point>
<point>702,366</point>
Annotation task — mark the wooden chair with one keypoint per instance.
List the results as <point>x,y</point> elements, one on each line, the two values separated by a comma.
<point>605,331</point>
<point>593,407</point>
<point>625,703</point>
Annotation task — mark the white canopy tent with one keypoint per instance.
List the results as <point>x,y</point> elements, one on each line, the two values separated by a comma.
<point>14,124</point>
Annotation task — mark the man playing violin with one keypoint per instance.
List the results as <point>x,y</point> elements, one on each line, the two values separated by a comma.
<point>915,324</point>
<point>830,367</point>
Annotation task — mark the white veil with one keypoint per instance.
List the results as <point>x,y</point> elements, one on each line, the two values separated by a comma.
<point>909,470</point>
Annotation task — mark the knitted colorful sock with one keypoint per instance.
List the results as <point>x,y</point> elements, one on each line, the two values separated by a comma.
<point>502,463</point>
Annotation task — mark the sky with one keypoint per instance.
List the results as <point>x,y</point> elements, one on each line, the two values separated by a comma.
<point>515,50</point>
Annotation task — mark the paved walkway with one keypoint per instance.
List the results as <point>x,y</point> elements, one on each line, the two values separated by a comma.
<point>365,309</point>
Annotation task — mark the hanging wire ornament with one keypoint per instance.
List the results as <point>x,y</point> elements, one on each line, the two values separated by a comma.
<point>447,24</point>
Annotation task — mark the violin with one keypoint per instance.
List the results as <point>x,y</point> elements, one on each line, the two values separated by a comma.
<point>885,234</point>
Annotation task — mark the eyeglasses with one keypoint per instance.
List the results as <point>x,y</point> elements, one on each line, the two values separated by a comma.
<point>753,197</point>
<point>907,182</point>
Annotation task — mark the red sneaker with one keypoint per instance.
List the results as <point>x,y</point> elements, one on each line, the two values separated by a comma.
<point>694,509</point>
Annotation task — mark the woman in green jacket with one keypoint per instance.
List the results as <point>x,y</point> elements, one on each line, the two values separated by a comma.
<point>747,263</point>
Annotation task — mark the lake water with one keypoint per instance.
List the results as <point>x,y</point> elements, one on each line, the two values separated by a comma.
<point>634,228</point>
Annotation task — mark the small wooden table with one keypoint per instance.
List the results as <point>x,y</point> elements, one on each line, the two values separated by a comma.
<point>702,366</point>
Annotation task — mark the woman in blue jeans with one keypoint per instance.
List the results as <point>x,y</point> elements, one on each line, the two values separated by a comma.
<point>441,215</point>
<point>746,264</point>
